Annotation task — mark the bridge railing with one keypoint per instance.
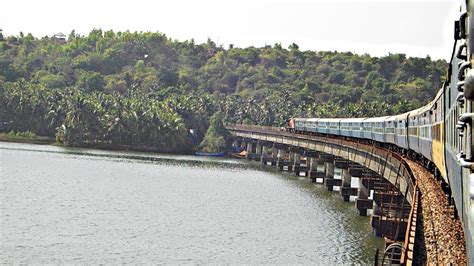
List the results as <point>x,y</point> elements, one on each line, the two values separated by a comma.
<point>253,127</point>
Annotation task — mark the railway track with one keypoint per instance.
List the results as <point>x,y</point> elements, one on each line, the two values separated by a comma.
<point>443,235</point>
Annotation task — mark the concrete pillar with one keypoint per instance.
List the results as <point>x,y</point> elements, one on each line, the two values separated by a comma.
<point>280,159</point>
<point>313,172</point>
<point>243,145</point>
<point>274,155</point>
<point>258,149</point>
<point>329,178</point>
<point>312,167</point>
<point>346,184</point>
<point>264,153</point>
<point>313,164</point>
<point>292,157</point>
<point>363,203</point>
<point>375,221</point>
<point>265,158</point>
<point>321,166</point>
<point>249,148</point>
<point>235,143</point>
<point>295,162</point>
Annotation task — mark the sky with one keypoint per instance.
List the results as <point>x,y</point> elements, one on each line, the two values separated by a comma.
<point>377,27</point>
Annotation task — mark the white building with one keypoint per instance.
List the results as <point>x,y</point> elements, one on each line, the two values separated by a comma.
<point>60,36</point>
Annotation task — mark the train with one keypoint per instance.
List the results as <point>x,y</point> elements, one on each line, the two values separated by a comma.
<point>416,134</point>
<point>439,134</point>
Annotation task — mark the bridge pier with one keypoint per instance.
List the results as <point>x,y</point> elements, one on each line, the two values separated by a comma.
<point>329,180</point>
<point>295,161</point>
<point>313,172</point>
<point>274,155</point>
<point>391,211</point>
<point>269,154</point>
<point>258,151</point>
<point>346,189</point>
<point>243,145</point>
<point>264,154</point>
<point>363,203</point>
<point>249,150</point>
<point>237,143</point>
<point>311,164</point>
<point>281,163</point>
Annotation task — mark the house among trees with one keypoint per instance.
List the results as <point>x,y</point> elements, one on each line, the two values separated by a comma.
<point>59,37</point>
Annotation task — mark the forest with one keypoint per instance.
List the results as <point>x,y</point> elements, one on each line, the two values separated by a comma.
<point>145,89</point>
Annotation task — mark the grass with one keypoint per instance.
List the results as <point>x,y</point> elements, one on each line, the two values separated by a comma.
<point>26,136</point>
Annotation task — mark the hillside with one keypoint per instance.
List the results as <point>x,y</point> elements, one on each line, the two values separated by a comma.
<point>146,89</point>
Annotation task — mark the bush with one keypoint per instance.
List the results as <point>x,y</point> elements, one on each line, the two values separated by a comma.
<point>26,134</point>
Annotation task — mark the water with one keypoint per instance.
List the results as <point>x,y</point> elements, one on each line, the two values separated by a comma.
<point>64,205</point>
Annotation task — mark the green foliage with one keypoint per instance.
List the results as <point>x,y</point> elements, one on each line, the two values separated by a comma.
<point>145,89</point>
<point>26,134</point>
<point>53,81</point>
<point>216,135</point>
<point>90,81</point>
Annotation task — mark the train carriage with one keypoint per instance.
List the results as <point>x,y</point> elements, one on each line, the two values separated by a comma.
<point>345,127</point>
<point>352,127</point>
<point>415,125</point>
<point>366,129</point>
<point>390,125</point>
<point>311,125</point>
<point>425,131</point>
<point>300,125</point>
<point>334,126</point>
<point>323,126</point>
<point>329,126</point>
<point>401,127</point>
<point>437,129</point>
<point>374,128</point>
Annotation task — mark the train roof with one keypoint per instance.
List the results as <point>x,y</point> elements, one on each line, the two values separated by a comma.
<point>353,120</point>
<point>376,119</point>
<point>438,95</point>
<point>400,116</point>
<point>421,110</point>
<point>329,120</point>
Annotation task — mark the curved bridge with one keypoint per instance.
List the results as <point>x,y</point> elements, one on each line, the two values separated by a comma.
<point>387,185</point>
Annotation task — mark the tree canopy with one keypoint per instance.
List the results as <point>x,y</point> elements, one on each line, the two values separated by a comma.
<point>144,88</point>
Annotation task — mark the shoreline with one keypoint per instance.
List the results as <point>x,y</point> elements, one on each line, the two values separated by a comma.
<point>43,140</point>
<point>40,140</point>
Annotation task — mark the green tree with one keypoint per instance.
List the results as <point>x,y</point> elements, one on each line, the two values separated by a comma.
<point>216,135</point>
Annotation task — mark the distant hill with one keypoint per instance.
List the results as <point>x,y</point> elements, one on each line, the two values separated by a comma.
<point>134,88</point>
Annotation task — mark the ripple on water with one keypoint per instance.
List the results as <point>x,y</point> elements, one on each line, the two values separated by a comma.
<point>85,206</point>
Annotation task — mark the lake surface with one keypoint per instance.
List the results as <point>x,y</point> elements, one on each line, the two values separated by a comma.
<point>70,205</point>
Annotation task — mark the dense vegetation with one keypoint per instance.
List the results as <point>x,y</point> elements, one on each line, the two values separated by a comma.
<point>145,89</point>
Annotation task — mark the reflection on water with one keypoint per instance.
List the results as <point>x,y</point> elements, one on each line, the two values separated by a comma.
<point>63,205</point>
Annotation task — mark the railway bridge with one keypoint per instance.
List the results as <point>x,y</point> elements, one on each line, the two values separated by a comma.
<point>387,183</point>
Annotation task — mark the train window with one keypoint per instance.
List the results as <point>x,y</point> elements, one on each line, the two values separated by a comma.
<point>453,141</point>
<point>454,127</point>
<point>449,98</point>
